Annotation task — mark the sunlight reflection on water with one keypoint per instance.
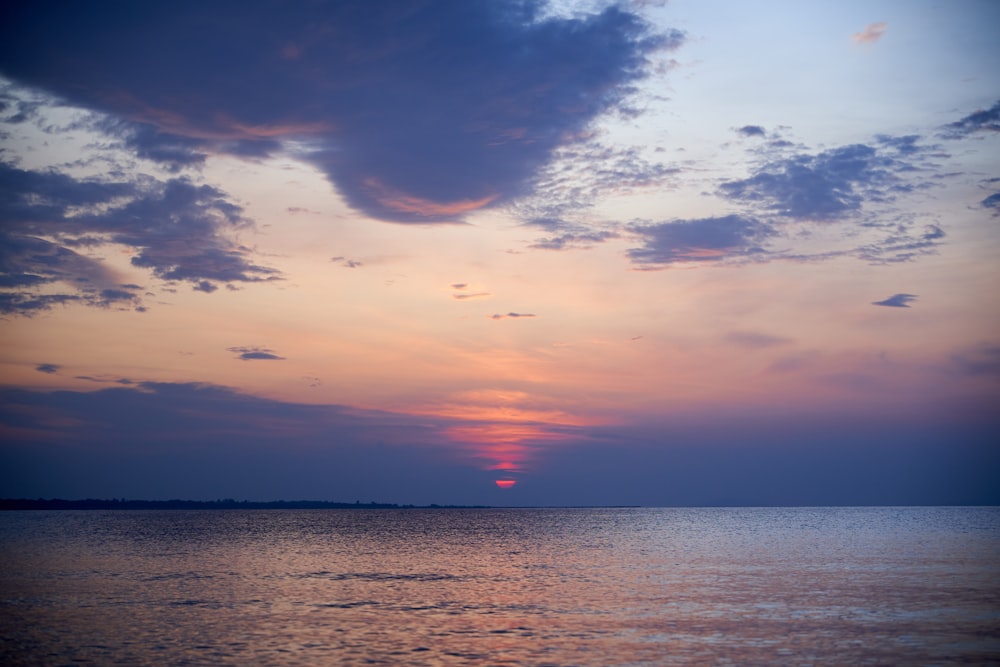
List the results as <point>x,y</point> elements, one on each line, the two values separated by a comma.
<point>502,587</point>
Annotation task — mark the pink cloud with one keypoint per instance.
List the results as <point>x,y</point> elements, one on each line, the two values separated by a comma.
<point>871,34</point>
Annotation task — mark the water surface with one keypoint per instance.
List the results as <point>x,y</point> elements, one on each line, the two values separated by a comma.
<point>803,586</point>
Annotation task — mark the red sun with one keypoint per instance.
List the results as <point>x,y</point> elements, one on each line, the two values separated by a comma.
<point>506,483</point>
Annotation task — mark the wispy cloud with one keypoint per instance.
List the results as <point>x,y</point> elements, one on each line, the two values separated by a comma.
<point>47,368</point>
<point>462,292</point>
<point>979,360</point>
<point>983,120</point>
<point>896,301</point>
<point>578,176</point>
<point>503,316</point>
<point>871,34</point>
<point>574,240</point>
<point>347,263</point>
<point>755,340</point>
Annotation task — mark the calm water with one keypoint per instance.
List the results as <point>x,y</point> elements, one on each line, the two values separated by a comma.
<point>501,587</point>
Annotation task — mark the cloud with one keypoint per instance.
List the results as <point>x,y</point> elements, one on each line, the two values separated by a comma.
<point>255,354</point>
<point>902,245</point>
<point>871,34</point>
<point>983,120</point>
<point>993,202</point>
<point>175,228</point>
<point>47,368</point>
<point>106,379</point>
<point>471,295</point>
<point>164,440</point>
<point>416,111</point>
<point>755,340</point>
<point>829,185</point>
<point>979,361</point>
<point>501,316</point>
<point>699,240</point>
<point>896,301</point>
<point>193,440</point>
<point>347,263</point>
<point>752,131</point>
<point>578,176</point>
<point>574,240</point>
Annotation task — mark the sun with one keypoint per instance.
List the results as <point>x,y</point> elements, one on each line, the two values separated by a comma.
<point>506,483</point>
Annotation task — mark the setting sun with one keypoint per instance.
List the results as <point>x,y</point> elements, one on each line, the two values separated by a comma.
<point>506,483</point>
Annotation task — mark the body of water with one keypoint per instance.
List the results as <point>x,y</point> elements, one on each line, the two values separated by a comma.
<point>768,586</point>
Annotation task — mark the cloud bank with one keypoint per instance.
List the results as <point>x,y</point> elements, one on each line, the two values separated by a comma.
<point>212,442</point>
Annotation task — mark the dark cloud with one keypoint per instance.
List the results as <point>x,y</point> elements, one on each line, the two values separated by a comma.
<point>417,111</point>
<point>752,131</point>
<point>984,120</point>
<point>470,295</point>
<point>47,368</point>
<point>175,228</point>
<point>503,316</point>
<point>993,202</point>
<point>829,185</point>
<point>896,301</point>
<point>699,240</point>
<point>255,354</point>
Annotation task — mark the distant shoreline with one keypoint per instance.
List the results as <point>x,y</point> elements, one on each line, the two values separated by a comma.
<point>225,504</point>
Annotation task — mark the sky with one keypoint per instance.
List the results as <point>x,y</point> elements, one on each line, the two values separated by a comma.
<point>504,253</point>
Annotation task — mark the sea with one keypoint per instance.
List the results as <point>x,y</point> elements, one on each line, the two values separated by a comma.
<point>588,586</point>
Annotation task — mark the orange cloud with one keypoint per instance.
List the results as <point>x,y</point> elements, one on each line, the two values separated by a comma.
<point>404,203</point>
<point>224,127</point>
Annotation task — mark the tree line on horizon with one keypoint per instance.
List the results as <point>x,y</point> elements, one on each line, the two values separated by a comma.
<point>226,503</point>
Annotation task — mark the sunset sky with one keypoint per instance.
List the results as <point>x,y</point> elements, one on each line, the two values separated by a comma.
<point>696,252</point>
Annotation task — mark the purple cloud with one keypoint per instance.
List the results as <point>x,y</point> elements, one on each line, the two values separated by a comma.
<point>175,228</point>
<point>825,186</point>
<point>983,120</point>
<point>752,131</point>
<point>255,354</point>
<point>699,240</point>
<point>896,301</point>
